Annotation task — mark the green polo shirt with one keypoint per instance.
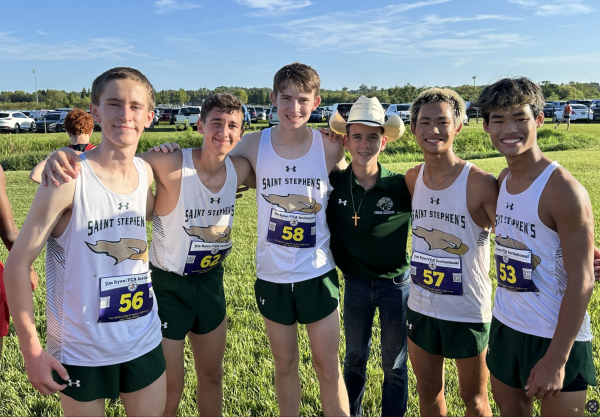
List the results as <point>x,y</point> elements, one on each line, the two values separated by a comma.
<point>376,247</point>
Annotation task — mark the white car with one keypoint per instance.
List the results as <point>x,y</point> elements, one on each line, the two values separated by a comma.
<point>273,117</point>
<point>401,110</point>
<point>580,112</point>
<point>14,121</point>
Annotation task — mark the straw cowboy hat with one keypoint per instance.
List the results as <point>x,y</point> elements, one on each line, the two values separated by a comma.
<point>368,111</point>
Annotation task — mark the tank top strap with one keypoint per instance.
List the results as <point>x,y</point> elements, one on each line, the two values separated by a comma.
<point>419,183</point>
<point>318,146</point>
<point>188,162</point>
<point>462,179</point>
<point>537,187</point>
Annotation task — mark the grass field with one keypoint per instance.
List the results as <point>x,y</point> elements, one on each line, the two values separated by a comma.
<point>248,381</point>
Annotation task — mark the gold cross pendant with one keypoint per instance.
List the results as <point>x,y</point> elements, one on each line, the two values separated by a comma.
<point>356,219</point>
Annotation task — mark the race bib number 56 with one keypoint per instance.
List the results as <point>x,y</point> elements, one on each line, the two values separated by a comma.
<point>294,230</point>
<point>514,269</point>
<point>126,297</point>
<point>437,275</point>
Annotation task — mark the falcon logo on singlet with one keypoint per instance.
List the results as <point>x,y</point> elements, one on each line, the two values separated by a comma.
<point>122,249</point>
<point>210,233</point>
<point>515,244</point>
<point>436,239</point>
<point>294,202</point>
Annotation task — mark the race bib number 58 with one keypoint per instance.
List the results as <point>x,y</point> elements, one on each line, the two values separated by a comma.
<point>294,230</point>
<point>437,275</point>
<point>126,297</point>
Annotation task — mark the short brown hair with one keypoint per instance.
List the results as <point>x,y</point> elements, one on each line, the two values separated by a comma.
<point>509,93</point>
<point>79,122</point>
<point>301,75</point>
<point>439,95</point>
<point>121,73</point>
<point>225,103</point>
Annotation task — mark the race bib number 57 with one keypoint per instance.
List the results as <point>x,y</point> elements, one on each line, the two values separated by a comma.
<point>437,275</point>
<point>294,230</point>
<point>126,297</point>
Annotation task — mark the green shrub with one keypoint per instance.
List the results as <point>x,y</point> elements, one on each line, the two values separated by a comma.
<point>23,162</point>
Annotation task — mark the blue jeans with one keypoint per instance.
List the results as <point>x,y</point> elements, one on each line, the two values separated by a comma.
<point>361,297</point>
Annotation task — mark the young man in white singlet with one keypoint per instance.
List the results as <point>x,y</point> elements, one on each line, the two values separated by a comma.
<point>540,338</point>
<point>297,281</point>
<point>449,306</point>
<point>104,337</point>
<point>191,237</point>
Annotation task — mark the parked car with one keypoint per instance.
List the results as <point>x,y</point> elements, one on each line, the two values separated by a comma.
<point>191,114</point>
<point>316,116</point>
<point>580,112</point>
<point>37,114</point>
<point>342,108</point>
<point>174,112</point>
<point>549,109</point>
<point>401,110</point>
<point>51,122</point>
<point>273,117</point>
<point>165,116</point>
<point>260,113</point>
<point>385,106</point>
<point>14,121</point>
<point>595,108</point>
<point>473,110</point>
<point>253,114</point>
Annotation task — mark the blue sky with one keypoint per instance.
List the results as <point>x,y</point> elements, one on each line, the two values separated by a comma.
<point>194,43</point>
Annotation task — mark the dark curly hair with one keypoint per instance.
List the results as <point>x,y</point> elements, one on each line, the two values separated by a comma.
<point>79,122</point>
<point>510,93</point>
<point>225,103</point>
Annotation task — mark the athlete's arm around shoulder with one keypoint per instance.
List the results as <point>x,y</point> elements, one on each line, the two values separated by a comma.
<point>247,148</point>
<point>565,207</point>
<point>482,197</point>
<point>334,154</point>
<point>243,171</point>
<point>411,178</point>
<point>46,210</point>
<point>150,195</point>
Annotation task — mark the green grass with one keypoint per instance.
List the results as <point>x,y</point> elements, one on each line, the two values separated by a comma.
<point>248,381</point>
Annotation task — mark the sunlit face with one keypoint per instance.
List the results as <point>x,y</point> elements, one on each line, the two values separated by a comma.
<point>222,131</point>
<point>123,111</point>
<point>513,132</point>
<point>435,129</point>
<point>364,143</point>
<point>294,106</point>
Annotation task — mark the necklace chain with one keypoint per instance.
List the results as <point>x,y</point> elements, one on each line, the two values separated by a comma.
<point>445,178</point>
<point>361,199</point>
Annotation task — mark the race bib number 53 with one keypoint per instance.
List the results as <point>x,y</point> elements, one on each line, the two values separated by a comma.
<point>126,297</point>
<point>437,275</point>
<point>294,230</point>
<point>514,269</point>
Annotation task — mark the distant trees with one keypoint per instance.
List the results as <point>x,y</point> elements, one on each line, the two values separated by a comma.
<point>242,95</point>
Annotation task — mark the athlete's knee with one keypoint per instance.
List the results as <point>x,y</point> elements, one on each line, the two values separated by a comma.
<point>326,370</point>
<point>211,376</point>
<point>474,400</point>
<point>429,389</point>
<point>286,364</point>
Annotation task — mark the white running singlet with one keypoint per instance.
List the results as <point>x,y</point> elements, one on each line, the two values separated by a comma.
<point>292,195</point>
<point>529,266</point>
<point>450,255</point>
<point>196,236</point>
<point>100,305</point>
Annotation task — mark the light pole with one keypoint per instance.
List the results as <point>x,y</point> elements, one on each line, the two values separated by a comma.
<point>35,81</point>
<point>477,108</point>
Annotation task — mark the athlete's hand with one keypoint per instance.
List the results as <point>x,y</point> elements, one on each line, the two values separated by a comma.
<point>546,379</point>
<point>334,137</point>
<point>34,278</point>
<point>39,365</point>
<point>241,189</point>
<point>597,264</point>
<point>167,147</point>
<point>63,164</point>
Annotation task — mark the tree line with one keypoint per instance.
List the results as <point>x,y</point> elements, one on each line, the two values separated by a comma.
<point>50,99</point>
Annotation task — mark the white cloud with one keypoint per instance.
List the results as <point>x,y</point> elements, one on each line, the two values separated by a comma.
<point>95,48</point>
<point>42,33</point>
<point>272,7</point>
<point>556,7</point>
<point>539,60</point>
<point>167,6</point>
<point>569,26</point>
